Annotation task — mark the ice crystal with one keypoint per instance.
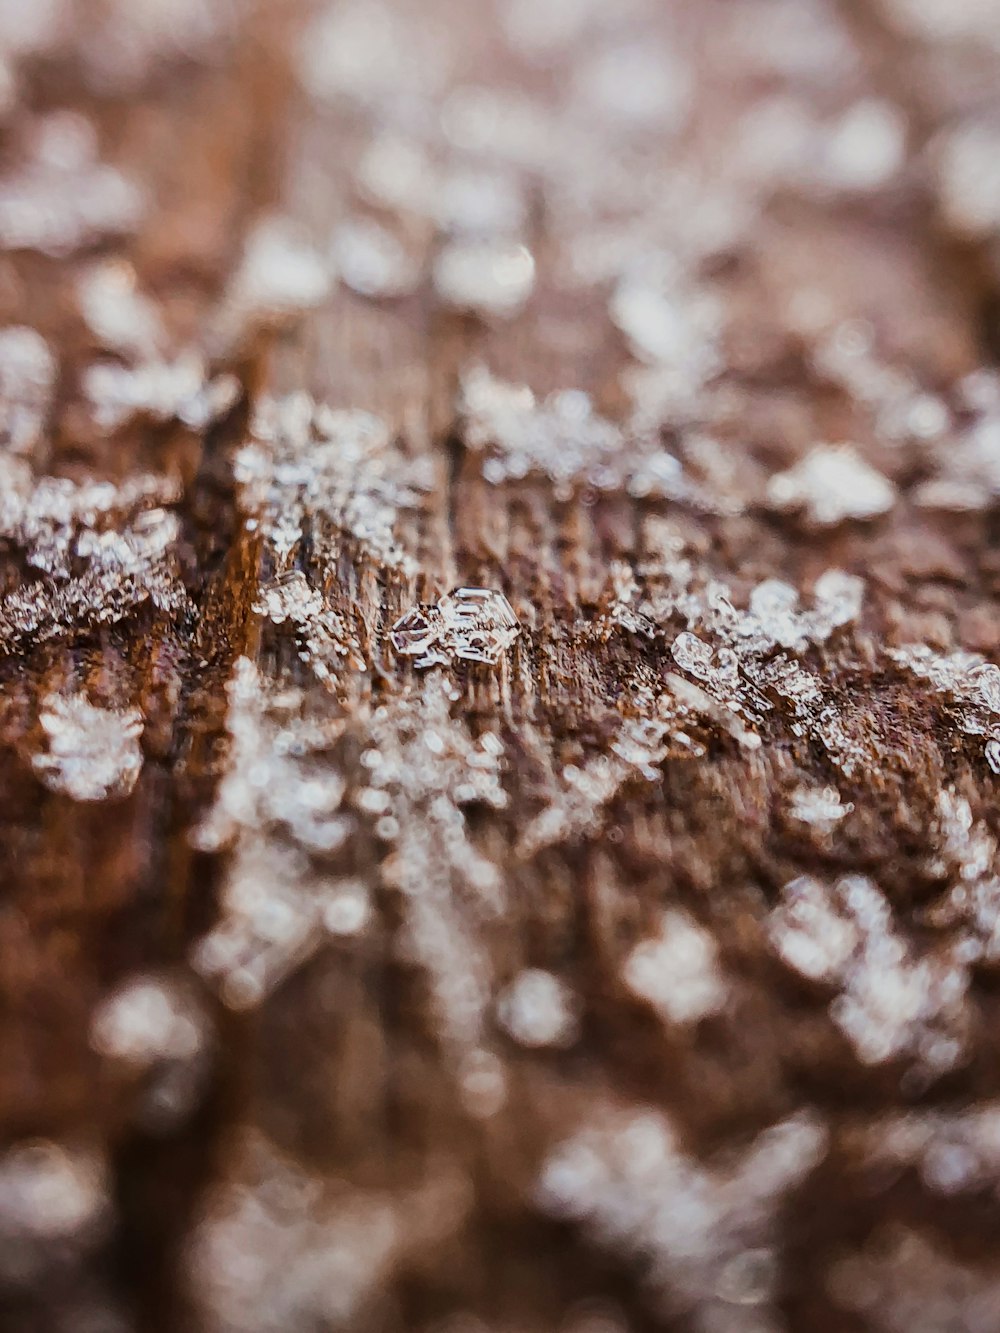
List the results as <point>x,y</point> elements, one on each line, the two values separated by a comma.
<point>55,1207</point>
<point>129,39</point>
<point>967,684</point>
<point>323,633</point>
<point>666,324</point>
<point>866,147</point>
<point>967,473</point>
<point>371,261</point>
<point>467,624</point>
<point>278,1248</point>
<point>105,550</point>
<point>278,807</point>
<point>27,382</point>
<point>892,1003</point>
<point>116,311</point>
<point>340,465</point>
<point>581,794</point>
<point>155,1032</point>
<point>537,1009</point>
<point>955,1152</point>
<point>677,970</point>
<point>279,275</point>
<point>831,485</point>
<point>563,438</point>
<point>371,53</point>
<point>847,354</point>
<point>181,390</point>
<point>64,197</point>
<point>967,853</point>
<point>705,1235</point>
<point>481,202</point>
<point>640,84</point>
<point>423,767</point>
<point>732,653</point>
<point>485,277</point>
<point>820,807</point>
<point>968,177</point>
<point>91,753</point>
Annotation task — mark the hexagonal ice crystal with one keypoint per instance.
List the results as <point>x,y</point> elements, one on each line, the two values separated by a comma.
<point>470,624</point>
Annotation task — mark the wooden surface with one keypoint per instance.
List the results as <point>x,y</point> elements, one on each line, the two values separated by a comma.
<point>644,977</point>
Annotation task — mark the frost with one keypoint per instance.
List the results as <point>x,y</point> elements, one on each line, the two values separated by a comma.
<point>64,197</point>
<point>563,438</point>
<point>117,312</point>
<point>967,684</point>
<point>129,39</point>
<point>891,1004</point>
<point>279,275</point>
<point>278,807</point>
<point>665,323</point>
<point>967,852</point>
<point>955,1152</point>
<point>705,1236</point>
<point>278,1248</point>
<point>156,1034</point>
<point>821,807</point>
<point>581,794</point>
<point>866,147</point>
<point>832,484</point>
<point>423,767</point>
<point>341,466</point>
<point>537,1009</point>
<point>92,753</point>
<point>323,634</point>
<point>467,624</point>
<point>968,177</point>
<point>117,537</point>
<point>967,473</point>
<point>677,971</point>
<point>371,261</point>
<point>903,410</point>
<point>55,1206</point>
<point>485,277</point>
<point>180,390</point>
<point>27,383</point>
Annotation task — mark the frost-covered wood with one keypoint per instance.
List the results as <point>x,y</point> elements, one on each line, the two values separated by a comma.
<point>499,702</point>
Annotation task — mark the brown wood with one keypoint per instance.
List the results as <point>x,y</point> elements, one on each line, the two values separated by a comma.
<point>628,981</point>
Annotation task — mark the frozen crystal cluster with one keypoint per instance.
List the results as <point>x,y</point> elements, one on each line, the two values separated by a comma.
<point>277,1247</point>
<point>538,1009</point>
<point>705,1235</point>
<point>422,768</point>
<point>90,753</point>
<point>27,384</point>
<point>891,1002</point>
<point>677,971</point>
<point>55,1209</point>
<point>565,439</point>
<point>737,664</point>
<point>103,549</point>
<point>467,625</point>
<point>953,1152</point>
<point>279,810</point>
<point>830,485</point>
<point>340,465</point>
<point>63,197</point>
<point>154,1033</point>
